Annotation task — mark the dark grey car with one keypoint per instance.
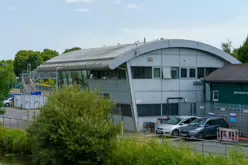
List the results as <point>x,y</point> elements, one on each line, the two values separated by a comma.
<point>203,127</point>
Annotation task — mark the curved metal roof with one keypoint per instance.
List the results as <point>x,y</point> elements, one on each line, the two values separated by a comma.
<point>111,57</point>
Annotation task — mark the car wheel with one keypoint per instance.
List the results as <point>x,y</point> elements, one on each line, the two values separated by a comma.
<point>200,136</point>
<point>7,105</point>
<point>175,133</point>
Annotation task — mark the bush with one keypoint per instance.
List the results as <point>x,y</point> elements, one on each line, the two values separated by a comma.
<point>132,151</point>
<point>74,127</point>
<point>15,141</point>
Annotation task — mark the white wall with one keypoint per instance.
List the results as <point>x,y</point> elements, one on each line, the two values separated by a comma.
<point>29,101</point>
<point>156,90</point>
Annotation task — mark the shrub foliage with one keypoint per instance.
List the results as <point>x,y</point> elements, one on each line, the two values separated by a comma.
<point>74,127</point>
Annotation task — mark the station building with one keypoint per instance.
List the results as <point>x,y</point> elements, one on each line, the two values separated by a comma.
<point>229,95</point>
<point>147,79</point>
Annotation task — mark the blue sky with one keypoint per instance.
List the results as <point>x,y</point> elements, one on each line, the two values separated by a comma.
<point>61,24</point>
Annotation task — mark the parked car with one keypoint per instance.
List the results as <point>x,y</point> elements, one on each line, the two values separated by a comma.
<point>172,126</point>
<point>8,101</point>
<point>203,127</point>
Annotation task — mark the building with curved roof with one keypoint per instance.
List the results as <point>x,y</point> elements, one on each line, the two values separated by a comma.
<point>147,79</point>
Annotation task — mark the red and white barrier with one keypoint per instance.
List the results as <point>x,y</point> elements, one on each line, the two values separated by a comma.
<point>227,134</point>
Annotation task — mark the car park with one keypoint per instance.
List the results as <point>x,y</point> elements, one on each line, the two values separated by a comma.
<point>173,126</point>
<point>203,127</point>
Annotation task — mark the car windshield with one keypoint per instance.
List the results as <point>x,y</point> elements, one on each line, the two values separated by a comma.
<point>173,121</point>
<point>198,122</point>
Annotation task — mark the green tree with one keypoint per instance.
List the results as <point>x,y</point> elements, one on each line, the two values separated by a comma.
<point>227,46</point>
<point>48,54</point>
<point>8,66</point>
<point>4,85</point>
<point>25,57</point>
<point>74,128</point>
<point>71,49</point>
<point>242,53</point>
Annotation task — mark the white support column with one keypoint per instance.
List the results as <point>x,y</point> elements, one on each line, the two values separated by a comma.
<point>134,107</point>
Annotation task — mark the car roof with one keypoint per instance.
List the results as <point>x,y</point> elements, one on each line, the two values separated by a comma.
<point>184,117</point>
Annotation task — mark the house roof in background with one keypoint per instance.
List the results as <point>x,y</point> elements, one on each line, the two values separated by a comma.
<point>229,73</point>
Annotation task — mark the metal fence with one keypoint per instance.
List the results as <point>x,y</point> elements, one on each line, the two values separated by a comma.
<point>203,147</point>
<point>12,123</point>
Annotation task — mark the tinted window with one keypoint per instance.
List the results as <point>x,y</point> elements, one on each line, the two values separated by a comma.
<point>192,72</point>
<point>210,123</point>
<point>200,73</point>
<point>184,73</point>
<point>187,121</point>
<point>170,109</point>
<point>198,122</point>
<point>142,72</point>
<point>174,72</point>
<point>149,109</point>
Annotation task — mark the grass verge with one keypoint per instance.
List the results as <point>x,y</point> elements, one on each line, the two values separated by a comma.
<point>15,141</point>
<point>145,152</point>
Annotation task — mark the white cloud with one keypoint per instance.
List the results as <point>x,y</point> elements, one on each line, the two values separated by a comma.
<point>117,2</point>
<point>10,8</point>
<point>82,10</point>
<point>79,1</point>
<point>132,6</point>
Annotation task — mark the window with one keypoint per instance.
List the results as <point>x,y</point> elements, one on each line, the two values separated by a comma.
<point>141,72</point>
<point>186,121</point>
<point>200,73</point>
<point>156,73</point>
<point>192,72</point>
<point>215,95</point>
<point>167,73</point>
<point>209,123</point>
<point>184,73</point>
<point>122,109</point>
<point>208,71</point>
<point>170,109</point>
<point>149,109</point>
<point>174,72</point>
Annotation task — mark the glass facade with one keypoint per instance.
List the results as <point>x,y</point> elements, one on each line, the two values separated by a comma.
<point>70,78</point>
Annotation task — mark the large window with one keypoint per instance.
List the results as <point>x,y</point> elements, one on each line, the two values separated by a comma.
<point>203,72</point>
<point>200,73</point>
<point>174,72</point>
<point>155,109</point>
<point>149,109</point>
<point>184,73</point>
<point>170,109</point>
<point>142,72</point>
<point>123,109</point>
<point>192,73</point>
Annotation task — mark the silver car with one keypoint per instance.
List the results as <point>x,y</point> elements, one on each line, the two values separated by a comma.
<point>172,126</point>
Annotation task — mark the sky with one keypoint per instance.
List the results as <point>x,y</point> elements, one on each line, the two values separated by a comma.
<point>61,24</point>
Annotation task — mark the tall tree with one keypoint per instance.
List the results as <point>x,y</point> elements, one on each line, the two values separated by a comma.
<point>8,66</point>
<point>242,53</point>
<point>5,85</point>
<point>227,46</point>
<point>24,58</point>
<point>47,54</point>
<point>71,49</point>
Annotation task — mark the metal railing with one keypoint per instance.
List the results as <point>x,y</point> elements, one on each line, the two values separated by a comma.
<point>200,146</point>
<point>13,123</point>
